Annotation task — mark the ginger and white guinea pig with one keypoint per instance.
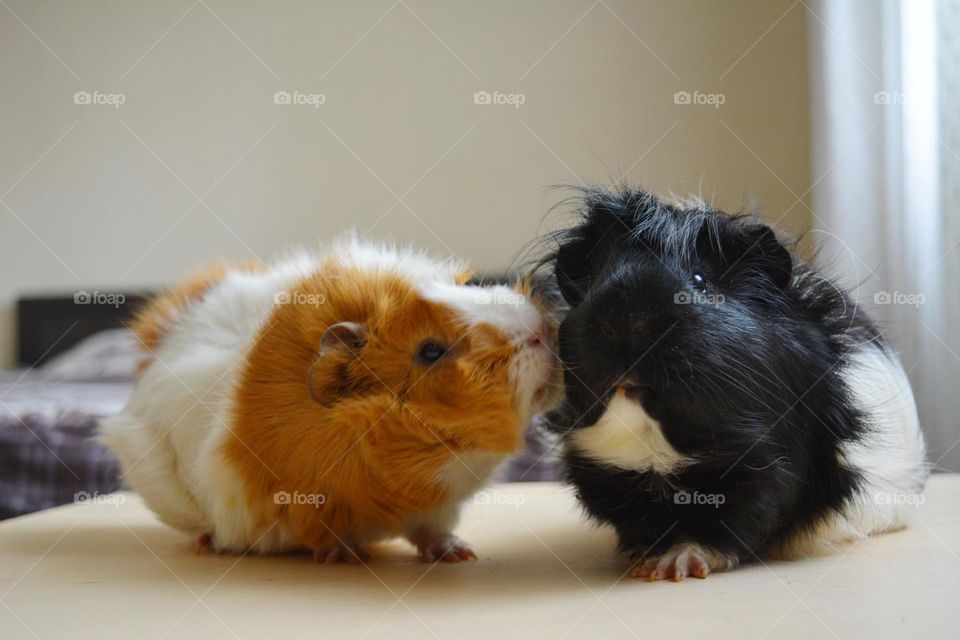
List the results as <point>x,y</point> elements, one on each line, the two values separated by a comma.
<point>331,401</point>
<point>723,400</point>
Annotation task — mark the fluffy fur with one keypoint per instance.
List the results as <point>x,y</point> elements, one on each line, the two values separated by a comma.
<point>165,307</point>
<point>723,400</point>
<point>291,406</point>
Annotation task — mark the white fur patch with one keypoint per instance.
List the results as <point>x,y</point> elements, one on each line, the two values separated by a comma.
<point>626,436</point>
<point>891,458</point>
<point>499,305</point>
<point>417,266</point>
<point>465,473</point>
<point>169,434</point>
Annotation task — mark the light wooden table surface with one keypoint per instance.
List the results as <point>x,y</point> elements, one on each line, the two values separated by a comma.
<point>110,570</point>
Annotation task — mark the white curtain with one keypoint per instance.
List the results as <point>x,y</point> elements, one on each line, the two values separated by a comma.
<point>885,122</point>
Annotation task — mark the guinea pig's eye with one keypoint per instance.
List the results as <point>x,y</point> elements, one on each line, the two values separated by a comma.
<point>699,281</point>
<point>431,351</point>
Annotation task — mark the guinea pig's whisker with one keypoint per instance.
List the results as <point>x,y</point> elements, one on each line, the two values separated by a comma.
<point>723,377</point>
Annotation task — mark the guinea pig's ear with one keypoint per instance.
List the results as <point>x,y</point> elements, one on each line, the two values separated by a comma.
<point>584,253</point>
<point>765,252</point>
<point>342,335</point>
<point>573,271</point>
<point>328,376</point>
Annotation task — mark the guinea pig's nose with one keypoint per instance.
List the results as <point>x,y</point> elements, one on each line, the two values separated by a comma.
<point>636,321</point>
<point>608,329</point>
<point>537,338</point>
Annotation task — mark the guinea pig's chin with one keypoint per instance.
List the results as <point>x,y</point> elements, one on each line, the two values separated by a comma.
<point>546,398</point>
<point>547,395</point>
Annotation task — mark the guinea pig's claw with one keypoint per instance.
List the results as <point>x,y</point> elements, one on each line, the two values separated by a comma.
<point>699,568</point>
<point>463,554</point>
<point>678,562</point>
<point>341,553</point>
<point>447,549</point>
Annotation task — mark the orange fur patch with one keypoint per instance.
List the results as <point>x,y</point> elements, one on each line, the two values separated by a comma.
<point>376,446</point>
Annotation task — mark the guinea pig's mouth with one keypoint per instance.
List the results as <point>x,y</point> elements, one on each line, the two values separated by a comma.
<point>548,371</point>
<point>547,394</point>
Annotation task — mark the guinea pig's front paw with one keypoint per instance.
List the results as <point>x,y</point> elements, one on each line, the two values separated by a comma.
<point>448,548</point>
<point>679,561</point>
<point>205,543</point>
<point>341,553</point>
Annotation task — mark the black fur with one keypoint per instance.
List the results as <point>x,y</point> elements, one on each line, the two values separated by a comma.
<point>744,374</point>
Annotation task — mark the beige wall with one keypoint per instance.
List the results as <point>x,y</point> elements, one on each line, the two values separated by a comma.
<point>105,206</point>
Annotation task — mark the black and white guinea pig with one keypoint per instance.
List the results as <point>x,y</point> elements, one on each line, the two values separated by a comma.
<point>723,400</point>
